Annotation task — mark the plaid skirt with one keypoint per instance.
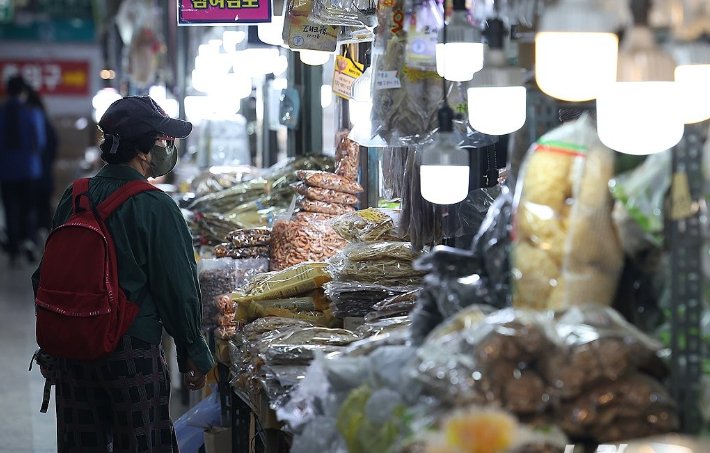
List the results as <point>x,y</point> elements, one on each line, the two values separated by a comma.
<point>117,404</point>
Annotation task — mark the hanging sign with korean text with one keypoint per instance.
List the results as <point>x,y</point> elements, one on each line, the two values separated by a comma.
<point>210,12</point>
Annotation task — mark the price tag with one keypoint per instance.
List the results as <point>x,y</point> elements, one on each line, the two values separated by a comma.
<point>681,201</point>
<point>387,80</point>
<point>346,72</point>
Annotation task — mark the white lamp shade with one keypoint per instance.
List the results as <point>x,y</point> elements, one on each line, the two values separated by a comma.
<point>694,85</point>
<point>574,66</point>
<point>314,57</point>
<point>359,112</point>
<point>497,110</point>
<point>459,61</point>
<point>444,184</point>
<point>255,61</point>
<point>639,117</point>
<point>271,33</point>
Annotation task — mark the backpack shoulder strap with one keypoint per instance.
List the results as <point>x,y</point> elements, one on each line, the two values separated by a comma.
<point>123,193</point>
<point>80,187</point>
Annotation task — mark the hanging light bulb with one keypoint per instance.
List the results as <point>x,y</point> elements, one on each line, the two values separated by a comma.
<point>640,114</point>
<point>271,32</point>
<point>692,75</point>
<point>575,51</point>
<point>445,165</point>
<point>459,53</point>
<point>314,57</point>
<point>496,98</point>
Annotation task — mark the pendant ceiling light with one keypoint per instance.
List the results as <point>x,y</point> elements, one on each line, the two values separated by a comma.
<point>496,97</point>
<point>272,32</point>
<point>692,75</point>
<point>575,50</point>
<point>640,114</point>
<point>459,53</point>
<point>445,165</point>
<point>314,57</point>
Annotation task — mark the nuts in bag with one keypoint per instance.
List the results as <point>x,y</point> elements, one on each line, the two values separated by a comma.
<point>227,250</point>
<point>326,180</point>
<point>326,195</point>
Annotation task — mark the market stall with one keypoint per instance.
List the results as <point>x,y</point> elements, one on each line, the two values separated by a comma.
<point>481,267</point>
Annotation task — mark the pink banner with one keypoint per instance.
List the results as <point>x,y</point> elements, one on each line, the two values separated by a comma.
<point>203,12</point>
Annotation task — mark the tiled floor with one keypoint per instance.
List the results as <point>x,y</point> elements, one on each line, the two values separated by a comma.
<point>23,429</point>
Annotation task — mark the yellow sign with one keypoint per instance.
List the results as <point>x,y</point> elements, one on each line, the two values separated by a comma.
<point>346,72</point>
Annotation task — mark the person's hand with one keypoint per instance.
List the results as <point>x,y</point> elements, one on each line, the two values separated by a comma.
<point>194,379</point>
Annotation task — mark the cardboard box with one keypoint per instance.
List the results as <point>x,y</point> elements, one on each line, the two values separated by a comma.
<point>218,440</point>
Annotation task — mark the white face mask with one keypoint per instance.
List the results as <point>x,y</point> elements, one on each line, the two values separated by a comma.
<point>164,158</point>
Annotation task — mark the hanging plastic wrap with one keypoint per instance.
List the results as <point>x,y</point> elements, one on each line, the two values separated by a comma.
<point>405,100</point>
<point>566,251</point>
<point>420,220</point>
<point>640,198</point>
<point>522,360</point>
<point>458,278</point>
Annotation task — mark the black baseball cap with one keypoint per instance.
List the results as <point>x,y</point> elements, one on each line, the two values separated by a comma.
<point>133,116</point>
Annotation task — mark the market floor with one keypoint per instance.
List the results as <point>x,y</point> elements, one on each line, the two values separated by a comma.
<point>23,428</point>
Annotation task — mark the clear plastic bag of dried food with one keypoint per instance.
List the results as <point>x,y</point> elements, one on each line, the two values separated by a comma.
<point>601,373</point>
<point>566,251</point>
<point>327,180</point>
<point>596,343</point>
<point>323,207</point>
<point>326,195</point>
<point>378,327</point>
<point>217,277</point>
<point>249,237</point>
<point>301,238</point>
<point>484,358</point>
<point>402,302</point>
<point>357,298</point>
<point>227,250</point>
<point>347,156</point>
<point>373,251</point>
<point>367,225</point>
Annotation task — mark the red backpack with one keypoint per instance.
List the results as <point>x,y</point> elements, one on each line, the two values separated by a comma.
<point>82,312</point>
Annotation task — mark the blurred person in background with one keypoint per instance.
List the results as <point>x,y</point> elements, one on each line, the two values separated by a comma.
<point>45,187</point>
<point>22,140</point>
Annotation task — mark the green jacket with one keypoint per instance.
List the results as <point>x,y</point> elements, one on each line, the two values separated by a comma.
<point>154,248</point>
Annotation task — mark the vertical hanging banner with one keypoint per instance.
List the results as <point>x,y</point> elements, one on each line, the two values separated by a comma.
<point>220,12</point>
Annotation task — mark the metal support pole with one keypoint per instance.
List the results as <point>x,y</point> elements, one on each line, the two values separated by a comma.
<point>308,137</point>
<point>686,278</point>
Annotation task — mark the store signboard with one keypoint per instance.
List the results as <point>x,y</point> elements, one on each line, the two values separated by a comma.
<point>49,77</point>
<point>213,12</point>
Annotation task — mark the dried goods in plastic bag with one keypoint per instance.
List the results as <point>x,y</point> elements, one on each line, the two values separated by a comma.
<point>227,250</point>
<point>347,156</point>
<point>566,251</point>
<point>322,207</point>
<point>289,282</point>
<point>367,225</point>
<point>326,195</point>
<point>357,298</point>
<point>249,237</point>
<point>559,366</point>
<point>304,237</point>
<point>326,180</point>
